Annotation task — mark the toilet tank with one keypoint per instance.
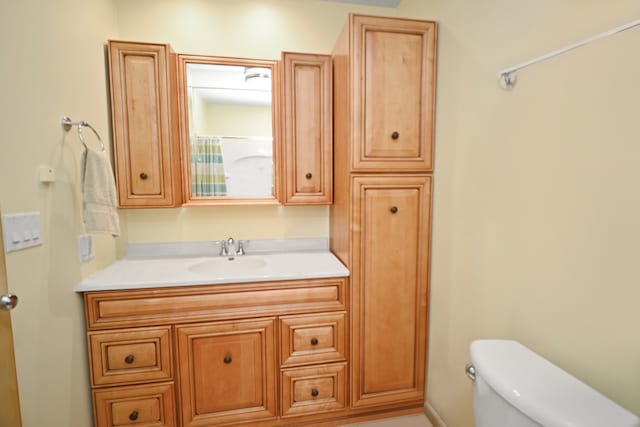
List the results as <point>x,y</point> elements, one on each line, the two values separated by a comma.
<point>515,387</point>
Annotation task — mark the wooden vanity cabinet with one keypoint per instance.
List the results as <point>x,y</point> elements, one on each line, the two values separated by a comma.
<point>143,83</point>
<point>255,354</point>
<point>384,80</point>
<point>307,129</point>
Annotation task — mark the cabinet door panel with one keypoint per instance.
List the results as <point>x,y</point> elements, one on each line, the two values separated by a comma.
<point>307,129</point>
<point>393,100</point>
<point>227,371</point>
<point>144,124</point>
<point>390,280</point>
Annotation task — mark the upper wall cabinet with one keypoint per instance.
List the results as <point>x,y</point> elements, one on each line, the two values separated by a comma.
<point>229,114</point>
<point>392,117</point>
<point>145,126</point>
<point>308,129</point>
<point>203,130</point>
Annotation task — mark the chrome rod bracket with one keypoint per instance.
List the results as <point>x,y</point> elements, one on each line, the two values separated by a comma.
<point>507,79</point>
<point>470,370</point>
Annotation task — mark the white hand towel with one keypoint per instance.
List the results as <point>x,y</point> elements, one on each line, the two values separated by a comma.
<point>99,193</point>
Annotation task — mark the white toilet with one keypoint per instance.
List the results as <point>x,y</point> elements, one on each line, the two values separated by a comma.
<point>515,387</point>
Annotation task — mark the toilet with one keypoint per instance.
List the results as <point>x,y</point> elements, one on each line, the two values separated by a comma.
<point>248,168</point>
<point>515,387</point>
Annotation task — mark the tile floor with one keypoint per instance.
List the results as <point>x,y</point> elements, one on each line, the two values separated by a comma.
<point>417,420</point>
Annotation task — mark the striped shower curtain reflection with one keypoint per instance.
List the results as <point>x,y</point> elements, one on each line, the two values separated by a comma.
<point>207,170</point>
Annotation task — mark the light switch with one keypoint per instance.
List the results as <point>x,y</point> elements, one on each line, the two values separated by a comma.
<point>85,248</point>
<point>21,231</point>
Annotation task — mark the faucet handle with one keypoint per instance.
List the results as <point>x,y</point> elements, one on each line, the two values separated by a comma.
<point>224,248</point>
<point>240,247</point>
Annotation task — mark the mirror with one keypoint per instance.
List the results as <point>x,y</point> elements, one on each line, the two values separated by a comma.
<point>228,124</point>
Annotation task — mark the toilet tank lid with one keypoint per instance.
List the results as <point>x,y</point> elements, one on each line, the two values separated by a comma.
<point>543,391</point>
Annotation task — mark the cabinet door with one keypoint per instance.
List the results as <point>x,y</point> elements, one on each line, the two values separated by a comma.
<point>394,97</point>
<point>144,124</point>
<point>227,372</point>
<point>307,124</point>
<point>390,284</point>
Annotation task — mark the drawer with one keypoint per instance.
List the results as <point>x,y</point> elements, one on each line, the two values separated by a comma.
<point>149,405</point>
<point>128,356</point>
<point>313,389</point>
<point>148,307</point>
<point>316,338</point>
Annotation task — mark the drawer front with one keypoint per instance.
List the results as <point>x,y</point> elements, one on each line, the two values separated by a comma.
<point>316,338</point>
<point>148,405</point>
<point>128,356</point>
<point>314,389</point>
<point>146,307</point>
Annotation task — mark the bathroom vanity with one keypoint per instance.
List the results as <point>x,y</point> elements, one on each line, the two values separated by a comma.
<point>191,348</point>
<point>205,340</point>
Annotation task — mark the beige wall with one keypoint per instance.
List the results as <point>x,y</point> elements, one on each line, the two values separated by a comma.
<point>536,209</point>
<point>51,65</point>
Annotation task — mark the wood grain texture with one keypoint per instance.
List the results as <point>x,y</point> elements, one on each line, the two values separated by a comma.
<point>384,82</point>
<point>390,287</point>
<point>307,125</point>
<point>394,96</point>
<point>149,405</point>
<point>316,389</point>
<point>142,80</point>
<point>227,371</point>
<point>148,307</point>
<point>130,356</point>
<point>9,398</point>
<point>313,338</point>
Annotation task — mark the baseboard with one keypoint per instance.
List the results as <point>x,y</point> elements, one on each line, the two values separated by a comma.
<point>433,416</point>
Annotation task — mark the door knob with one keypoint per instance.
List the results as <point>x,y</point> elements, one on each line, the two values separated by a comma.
<point>8,302</point>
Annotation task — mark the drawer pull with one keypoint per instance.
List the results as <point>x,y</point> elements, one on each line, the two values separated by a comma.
<point>395,135</point>
<point>394,209</point>
<point>308,175</point>
<point>133,416</point>
<point>143,176</point>
<point>129,359</point>
<point>314,341</point>
<point>314,392</point>
<point>227,359</point>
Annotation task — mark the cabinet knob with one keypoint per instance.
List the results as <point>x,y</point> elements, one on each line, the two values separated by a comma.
<point>394,209</point>
<point>314,341</point>
<point>395,135</point>
<point>143,175</point>
<point>308,175</point>
<point>227,359</point>
<point>129,359</point>
<point>314,392</point>
<point>133,416</point>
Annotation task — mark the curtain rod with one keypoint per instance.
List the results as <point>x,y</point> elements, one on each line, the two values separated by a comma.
<point>507,76</point>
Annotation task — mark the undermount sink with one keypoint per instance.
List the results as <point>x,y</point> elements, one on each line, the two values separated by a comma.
<point>238,264</point>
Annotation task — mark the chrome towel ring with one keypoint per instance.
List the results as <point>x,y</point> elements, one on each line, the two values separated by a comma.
<point>67,124</point>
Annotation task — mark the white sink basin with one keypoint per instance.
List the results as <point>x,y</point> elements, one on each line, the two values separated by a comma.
<point>224,265</point>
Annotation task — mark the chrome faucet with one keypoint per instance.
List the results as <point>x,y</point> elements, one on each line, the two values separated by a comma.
<point>231,248</point>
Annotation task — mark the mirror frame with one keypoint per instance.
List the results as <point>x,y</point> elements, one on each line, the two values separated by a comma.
<point>183,113</point>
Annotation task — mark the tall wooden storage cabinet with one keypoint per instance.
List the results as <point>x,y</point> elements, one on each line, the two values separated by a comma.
<point>145,124</point>
<point>384,79</point>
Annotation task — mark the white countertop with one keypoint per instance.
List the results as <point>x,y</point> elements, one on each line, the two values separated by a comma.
<point>165,270</point>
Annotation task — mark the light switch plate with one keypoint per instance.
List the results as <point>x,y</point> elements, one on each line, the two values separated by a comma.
<point>85,248</point>
<point>21,231</point>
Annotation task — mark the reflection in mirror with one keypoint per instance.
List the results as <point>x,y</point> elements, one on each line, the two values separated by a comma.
<point>227,128</point>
